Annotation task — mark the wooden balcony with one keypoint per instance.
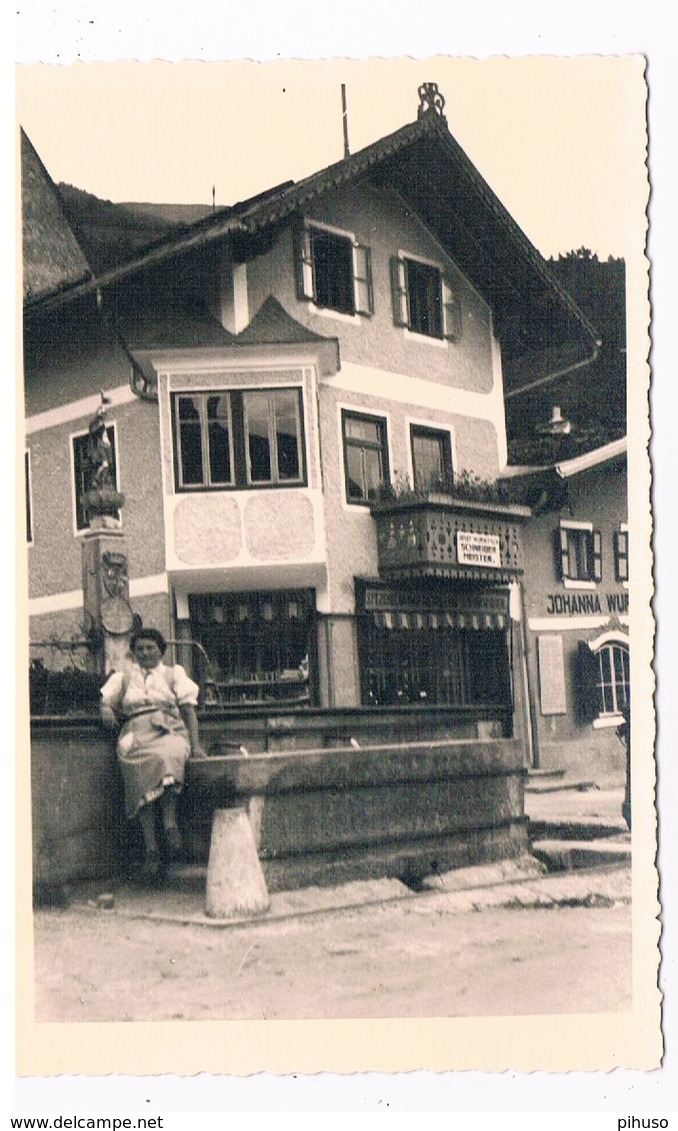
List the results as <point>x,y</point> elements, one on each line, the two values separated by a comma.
<point>438,535</point>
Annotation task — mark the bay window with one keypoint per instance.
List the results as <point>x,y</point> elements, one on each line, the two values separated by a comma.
<point>238,439</point>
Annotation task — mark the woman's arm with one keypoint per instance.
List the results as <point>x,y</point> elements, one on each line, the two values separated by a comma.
<point>108,717</point>
<point>191,720</point>
<point>111,696</point>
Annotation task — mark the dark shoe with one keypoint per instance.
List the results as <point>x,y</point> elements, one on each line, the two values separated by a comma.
<point>173,843</point>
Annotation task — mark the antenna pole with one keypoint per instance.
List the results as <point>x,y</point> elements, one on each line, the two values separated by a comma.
<point>344,119</point>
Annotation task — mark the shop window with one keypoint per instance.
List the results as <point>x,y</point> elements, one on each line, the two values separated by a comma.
<point>238,439</point>
<point>423,301</point>
<point>419,658</point>
<point>365,455</point>
<point>259,646</point>
<point>621,555</point>
<point>82,472</point>
<point>431,458</point>
<point>603,681</point>
<point>29,498</point>
<point>333,271</point>
<point>580,553</point>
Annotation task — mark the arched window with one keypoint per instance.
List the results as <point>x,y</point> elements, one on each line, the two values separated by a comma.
<point>604,688</point>
<point>613,678</point>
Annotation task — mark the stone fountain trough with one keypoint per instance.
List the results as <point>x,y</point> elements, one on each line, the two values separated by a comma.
<point>330,816</point>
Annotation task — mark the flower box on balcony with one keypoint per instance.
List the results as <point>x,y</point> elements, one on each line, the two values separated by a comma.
<point>439,535</point>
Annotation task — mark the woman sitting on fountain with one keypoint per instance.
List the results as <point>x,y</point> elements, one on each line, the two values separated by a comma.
<point>156,706</point>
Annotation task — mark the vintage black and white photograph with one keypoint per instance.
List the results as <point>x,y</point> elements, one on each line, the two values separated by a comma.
<point>338,592</point>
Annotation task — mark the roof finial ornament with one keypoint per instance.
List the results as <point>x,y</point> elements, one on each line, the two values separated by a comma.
<point>430,100</point>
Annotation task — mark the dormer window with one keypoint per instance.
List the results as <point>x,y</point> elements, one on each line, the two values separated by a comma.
<point>333,270</point>
<point>424,302</point>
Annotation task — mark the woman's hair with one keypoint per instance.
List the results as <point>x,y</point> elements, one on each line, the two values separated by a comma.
<point>149,634</point>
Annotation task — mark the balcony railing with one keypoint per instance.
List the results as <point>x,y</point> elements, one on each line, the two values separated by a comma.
<point>438,535</point>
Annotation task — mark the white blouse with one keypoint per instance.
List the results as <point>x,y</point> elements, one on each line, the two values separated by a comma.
<point>130,690</point>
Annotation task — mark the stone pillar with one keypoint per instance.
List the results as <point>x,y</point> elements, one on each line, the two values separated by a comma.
<point>185,649</point>
<point>105,575</point>
<point>235,880</point>
<point>105,582</point>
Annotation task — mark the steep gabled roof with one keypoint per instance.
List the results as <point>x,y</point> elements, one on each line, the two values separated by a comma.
<point>53,260</point>
<point>430,172</point>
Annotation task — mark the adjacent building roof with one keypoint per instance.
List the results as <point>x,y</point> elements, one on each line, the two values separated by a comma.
<point>53,260</point>
<point>567,468</point>
<point>615,450</point>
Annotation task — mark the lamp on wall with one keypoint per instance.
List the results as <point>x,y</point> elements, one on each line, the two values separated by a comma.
<point>554,432</point>
<point>557,425</point>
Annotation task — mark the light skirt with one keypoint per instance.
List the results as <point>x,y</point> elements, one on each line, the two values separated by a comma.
<point>153,749</point>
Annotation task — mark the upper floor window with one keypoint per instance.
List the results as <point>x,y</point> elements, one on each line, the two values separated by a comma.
<point>82,472</point>
<point>365,455</point>
<point>431,458</point>
<point>423,301</point>
<point>333,270</point>
<point>238,438</point>
<point>581,555</point>
<point>621,554</point>
<point>29,498</point>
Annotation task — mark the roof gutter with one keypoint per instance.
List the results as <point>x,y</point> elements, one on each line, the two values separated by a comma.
<point>565,372</point>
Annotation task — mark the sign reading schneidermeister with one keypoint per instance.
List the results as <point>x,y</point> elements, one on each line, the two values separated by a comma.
<point>478,549</point>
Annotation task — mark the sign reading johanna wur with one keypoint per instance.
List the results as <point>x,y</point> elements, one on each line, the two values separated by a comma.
<point>478,549</point>
<point>578,604</point>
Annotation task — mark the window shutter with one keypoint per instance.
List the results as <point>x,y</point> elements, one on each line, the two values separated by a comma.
<point>564,557</point>
<point>303,262</point>
<point>586,684</point>
<point>451,314</point>
<point>362,279</point>
<point>621,555</point>
<point>401,308</point>
<point>597,555</point>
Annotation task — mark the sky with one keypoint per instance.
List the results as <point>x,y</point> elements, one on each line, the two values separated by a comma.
<point>560,140</point>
